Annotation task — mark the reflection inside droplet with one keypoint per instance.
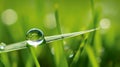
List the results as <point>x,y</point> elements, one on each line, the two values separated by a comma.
<point>35,37</point>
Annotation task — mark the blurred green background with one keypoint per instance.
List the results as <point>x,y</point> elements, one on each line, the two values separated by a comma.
<point>101,50</point>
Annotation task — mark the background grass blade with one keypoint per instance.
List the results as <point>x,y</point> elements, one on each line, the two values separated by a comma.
<point>32,50</point>
<point>100,49</point>
<point>59,55</point>
<point>79,51</point>
<point>91,56</point>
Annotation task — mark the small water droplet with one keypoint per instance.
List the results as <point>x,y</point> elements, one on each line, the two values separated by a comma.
<point>35,37</point>
<point>2,46</point>
<point>69,51</point>
<point>71,54</point>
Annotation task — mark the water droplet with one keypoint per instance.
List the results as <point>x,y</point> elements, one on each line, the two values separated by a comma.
<point>35,37</point>
<point>2,46</point>
<point>71,54</point>
<point>69,51</point>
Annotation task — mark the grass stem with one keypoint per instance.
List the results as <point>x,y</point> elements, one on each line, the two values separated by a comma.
<point>32,50</point>
<point>48,39</point>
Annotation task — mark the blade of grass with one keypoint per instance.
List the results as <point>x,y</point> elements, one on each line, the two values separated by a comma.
<point>91,56</point>
<point>92,42</point>
<point>79,52</point>
<point>90,48</point>
<point>24,22</point>
<point>62,36</point>
<point>4,58</point>
<point>29,62</point>
<point>59,50</point>
<point>22,45</point>
<point>95,18</point>
<point>32,51</point>
<point>92,7</point>
<point>1,64</point>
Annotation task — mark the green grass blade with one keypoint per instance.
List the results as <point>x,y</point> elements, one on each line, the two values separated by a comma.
<point>92,7</point>
<point>34,56</point>
<point>59,50</point>
<point>4,58</point>
<point>62,36</point>
<point>22,45</point>
<point>78,53</point>
<point>15,46</point>
<point>91,56</point>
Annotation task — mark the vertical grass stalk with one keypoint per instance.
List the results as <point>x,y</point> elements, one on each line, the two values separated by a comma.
<point>4,58</point>
<point>32,51</point>
<point>89,48</point>
<point>91,56</point>
<point>61,60</point>
<point>78,53</point>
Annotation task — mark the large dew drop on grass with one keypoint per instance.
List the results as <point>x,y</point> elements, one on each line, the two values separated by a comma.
<point>35,37</point>
<point>2,46</point>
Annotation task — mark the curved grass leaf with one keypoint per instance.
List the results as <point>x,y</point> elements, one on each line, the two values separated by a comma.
<point>23,45</point>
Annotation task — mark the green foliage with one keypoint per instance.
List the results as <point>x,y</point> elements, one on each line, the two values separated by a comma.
<point>96,49</point>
